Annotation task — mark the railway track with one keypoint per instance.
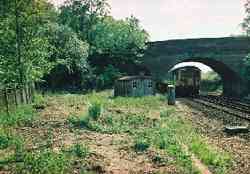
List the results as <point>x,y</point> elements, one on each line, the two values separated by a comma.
<point>228,102</point>
<point>233,107</point>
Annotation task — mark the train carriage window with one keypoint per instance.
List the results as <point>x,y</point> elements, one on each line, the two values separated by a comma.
<point>134,84</point>
<point>150,84</point>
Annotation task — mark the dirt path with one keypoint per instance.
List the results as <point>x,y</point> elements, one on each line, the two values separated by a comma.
<point>212,128</point>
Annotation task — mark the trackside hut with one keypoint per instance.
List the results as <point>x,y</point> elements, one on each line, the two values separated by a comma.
<point>134,86</point>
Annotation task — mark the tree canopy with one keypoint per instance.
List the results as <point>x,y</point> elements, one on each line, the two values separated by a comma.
<point>79,42</point>
<point>24,54</point>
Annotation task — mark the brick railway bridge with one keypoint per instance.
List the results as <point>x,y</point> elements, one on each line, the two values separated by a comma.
<point>224,55</point>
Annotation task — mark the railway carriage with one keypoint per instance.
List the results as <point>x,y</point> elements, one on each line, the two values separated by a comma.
<point>187,81</point>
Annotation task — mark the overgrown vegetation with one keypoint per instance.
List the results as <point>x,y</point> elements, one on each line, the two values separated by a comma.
<point>22,115</point>
<point>44,162</point>
<point>150,124</point>
<point>79,150</point>
<point>211,82</point>
<point>167,132</point>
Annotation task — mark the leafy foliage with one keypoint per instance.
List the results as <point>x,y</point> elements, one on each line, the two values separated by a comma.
<point>69,56</point>
<point>114,44</point>
<point>79,122</point>
<point>37,40</point>
<point>81,15</point>
<point>107,77</point>
<point>141,145</point>
<point>211,82</point>
<point>95,110</point>
<point>24,54</point>
<point>246,21</point>
<point>119,38</point>
<point>45,162</point>
<point>23,115</point>
<point>80,150</point>
<point>5,139</point>
<point>68,49</point>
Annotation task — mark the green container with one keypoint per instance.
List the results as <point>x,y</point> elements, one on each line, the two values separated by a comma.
<point>171,95</point>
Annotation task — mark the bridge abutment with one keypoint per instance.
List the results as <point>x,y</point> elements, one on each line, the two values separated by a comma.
<point>234,88</point>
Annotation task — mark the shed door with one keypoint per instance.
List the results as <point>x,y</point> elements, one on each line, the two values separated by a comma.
<point>148,87</point>
<point>138,87</point>
<point>141,88</point>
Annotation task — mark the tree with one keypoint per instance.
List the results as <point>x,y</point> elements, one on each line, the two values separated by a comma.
<point>246,21</point>
<point>120,43</point>
<point>246,27</point>
<point>123,39</point>
<point>23,52</point>
<point>114,44</point>
<point>81,15</point>
<point>69,55</point>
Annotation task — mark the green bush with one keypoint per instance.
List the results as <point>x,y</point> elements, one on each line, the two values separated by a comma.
<point>79,122</point>
<point>19,149</point>
<point>109,120</point>
<point>95,110</point>
<point>45,162</point>
<point>141,145</point>
<point>5,140</point>
<point>107,77</point>
<point>81,151</point>
<point>39,102</point>
<point>160,159</point>
<point>23,115</point>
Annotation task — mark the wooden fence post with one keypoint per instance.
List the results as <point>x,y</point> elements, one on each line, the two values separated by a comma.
<point>15,93</point>
<point>6,101</point>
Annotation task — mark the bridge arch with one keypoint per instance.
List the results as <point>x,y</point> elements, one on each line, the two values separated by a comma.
<point>230,78</point>
<point>224,55</point>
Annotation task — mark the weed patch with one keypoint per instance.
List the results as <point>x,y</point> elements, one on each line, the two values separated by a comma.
<point>79,150</point>
<point>95,110</point>
<point>39,102</point>
<point>131,116</point>
<point>45,162</point>
<point>211,157</point>
<point>79,122</point>
<point>141,145</point>
<point>23,115</point>
<point>5,140</point>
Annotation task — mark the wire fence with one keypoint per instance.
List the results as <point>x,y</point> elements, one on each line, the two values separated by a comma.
<point>11,98</point>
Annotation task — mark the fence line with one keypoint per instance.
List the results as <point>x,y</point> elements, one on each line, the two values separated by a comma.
<point>10,98</point>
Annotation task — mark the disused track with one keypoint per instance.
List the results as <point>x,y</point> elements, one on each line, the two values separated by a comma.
<point>229,106</point>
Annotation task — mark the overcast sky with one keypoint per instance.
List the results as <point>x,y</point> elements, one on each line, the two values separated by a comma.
<point>178,19</point>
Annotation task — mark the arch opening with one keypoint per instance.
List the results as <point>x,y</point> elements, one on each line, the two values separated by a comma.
<point>221,76</point>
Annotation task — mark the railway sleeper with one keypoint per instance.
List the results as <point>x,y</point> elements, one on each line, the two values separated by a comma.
<point>236,129</point>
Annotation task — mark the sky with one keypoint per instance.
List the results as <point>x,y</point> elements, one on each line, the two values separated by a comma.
<point>181,19</point>
<point>201,66</point>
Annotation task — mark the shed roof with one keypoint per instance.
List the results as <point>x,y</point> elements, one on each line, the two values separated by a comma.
<point>126,78</point>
